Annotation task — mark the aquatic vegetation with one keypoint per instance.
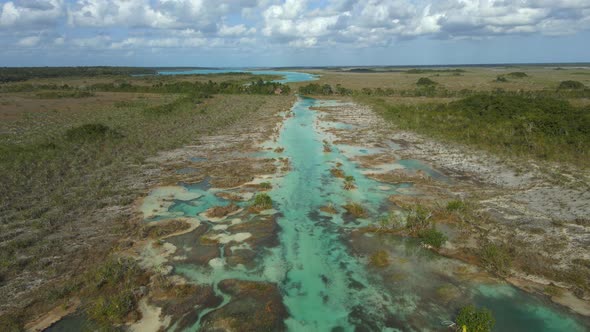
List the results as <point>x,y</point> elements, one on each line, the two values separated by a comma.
<point>327,147</point>
<point>432,237</point>
<point>349,182</point>
<point>261,202</point>
<point>496,258</point>
<point>380,259</point>
<point>330,208</point>
<point>355,209</point>
<point>337,172</point>
<point>418,218</point>
<point>447,292</point>
<point>279,149</point>
<point>475,320</point>
<point>393,221</point>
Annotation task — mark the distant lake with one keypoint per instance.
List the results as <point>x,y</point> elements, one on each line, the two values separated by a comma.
<point>288,76</point>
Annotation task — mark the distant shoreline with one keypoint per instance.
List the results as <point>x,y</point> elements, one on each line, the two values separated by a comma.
<point>491,65</point>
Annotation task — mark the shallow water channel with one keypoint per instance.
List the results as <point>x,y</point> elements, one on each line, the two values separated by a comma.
<point>321,264</point>
<point>321,261</point>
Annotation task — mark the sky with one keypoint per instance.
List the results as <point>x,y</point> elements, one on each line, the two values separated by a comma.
<point>240,33</point>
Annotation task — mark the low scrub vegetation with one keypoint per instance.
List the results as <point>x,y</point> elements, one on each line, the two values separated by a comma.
<point>425,81</point>
<point>261,202</point>
<point>418,218</point>
<point>517,74</point>
<point>496,258</point>
<point>565,85</point>
<point>8,74</point>
<point>544,128</point>
<point>473,319</point>
<point>91,132</point>
<point>432,237</point>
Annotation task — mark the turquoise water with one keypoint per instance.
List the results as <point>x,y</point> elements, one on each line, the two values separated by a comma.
<point>321,263</point>
<point>288,76</point>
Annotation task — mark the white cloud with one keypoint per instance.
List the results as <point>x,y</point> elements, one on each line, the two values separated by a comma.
<point>162,24</point>
<point>30,41</point>
<point>31,13</point>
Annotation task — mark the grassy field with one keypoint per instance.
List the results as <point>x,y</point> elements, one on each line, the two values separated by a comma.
<point>473,78</point>
<point>71,166</point>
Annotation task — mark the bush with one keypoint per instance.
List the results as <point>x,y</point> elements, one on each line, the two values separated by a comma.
<point>518,74</point>
<point>262,202</point>
<point>475,320</point>
<point>113,309</point>
<point>418,218</point>
<point>455,205</point>
<point>432,237</point>
<point>571,85</point>
<point>265,185</point>
<point>496,258</point>
<point>425,81</point>
<point>90,132</point>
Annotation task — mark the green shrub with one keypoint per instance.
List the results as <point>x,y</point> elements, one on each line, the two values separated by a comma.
<point>262,202</point>
<point>546,128</point>
<point>391,221</point>
<point>418,218</point>
<point>90,132</point>
<point>115,272</point>
<point>518,74</point>
<point>496,258</point>
<point>475,320</point>
<point>425,81</point>
<point>571,85</point>
<point>455,205</point>
<point>113,309</point>
<point>432,237</point>
<point>265,185</point>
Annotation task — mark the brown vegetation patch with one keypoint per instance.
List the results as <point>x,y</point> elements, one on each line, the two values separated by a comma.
<point>355,209</point>
<point>222,211</point>
<point>156,230</point>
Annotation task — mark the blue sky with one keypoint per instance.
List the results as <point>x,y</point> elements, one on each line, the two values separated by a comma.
<point>291,32</point>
